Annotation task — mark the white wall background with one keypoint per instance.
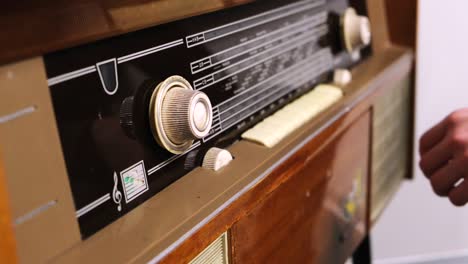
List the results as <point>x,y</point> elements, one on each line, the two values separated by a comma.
<point>417,222</point>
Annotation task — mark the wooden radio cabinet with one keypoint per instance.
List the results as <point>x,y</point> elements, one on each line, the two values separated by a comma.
<point>312,198</point>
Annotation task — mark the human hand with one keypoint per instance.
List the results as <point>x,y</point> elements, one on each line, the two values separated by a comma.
<point>444,157</point>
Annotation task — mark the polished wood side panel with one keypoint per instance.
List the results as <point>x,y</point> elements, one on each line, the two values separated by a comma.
<point>32,28</point>
<point>318,215</point>
<point>401,19</point>
<point>393,23</point>
<point>7,236</point>
<point>380,31</point>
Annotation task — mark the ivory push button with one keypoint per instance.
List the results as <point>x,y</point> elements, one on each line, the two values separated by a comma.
<point>275,128</point>
<point>216,158</point>
<point>179,115</point>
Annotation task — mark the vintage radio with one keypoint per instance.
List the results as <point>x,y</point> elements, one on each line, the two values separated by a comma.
<point>201,131</point>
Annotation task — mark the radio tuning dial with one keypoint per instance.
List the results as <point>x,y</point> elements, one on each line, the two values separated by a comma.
<point>356,30</point>
<point>179,115</point>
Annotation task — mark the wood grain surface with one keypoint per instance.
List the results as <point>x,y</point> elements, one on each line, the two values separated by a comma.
<point>32,28</point>
<point>7,236</point>
<point>319,214</point>
<point>402,18</point>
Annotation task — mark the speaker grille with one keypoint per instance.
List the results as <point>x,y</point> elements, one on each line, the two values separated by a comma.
<point>216,253</point>
<point>391,144</point>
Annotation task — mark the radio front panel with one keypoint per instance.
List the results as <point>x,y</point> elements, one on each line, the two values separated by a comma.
<point>249,61</point>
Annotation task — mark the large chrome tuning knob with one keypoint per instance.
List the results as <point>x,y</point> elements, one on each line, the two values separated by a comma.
<point>356,30</point>
<point>179,115</point>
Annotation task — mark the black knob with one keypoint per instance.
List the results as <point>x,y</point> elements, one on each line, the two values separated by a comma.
<point>126,116</point>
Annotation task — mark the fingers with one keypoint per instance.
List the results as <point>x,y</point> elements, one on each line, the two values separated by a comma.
<point>459,195</point>
<point>445,178</point>
<point>436,157</point>
<point>433,136</point>
<point>457,119</point>
<point>444,157</point>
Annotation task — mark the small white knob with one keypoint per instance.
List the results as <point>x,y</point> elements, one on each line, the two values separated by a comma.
<point>356,30</point>
<point>342,77</point>
<point>216,158</point>
<point>356,55</point>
